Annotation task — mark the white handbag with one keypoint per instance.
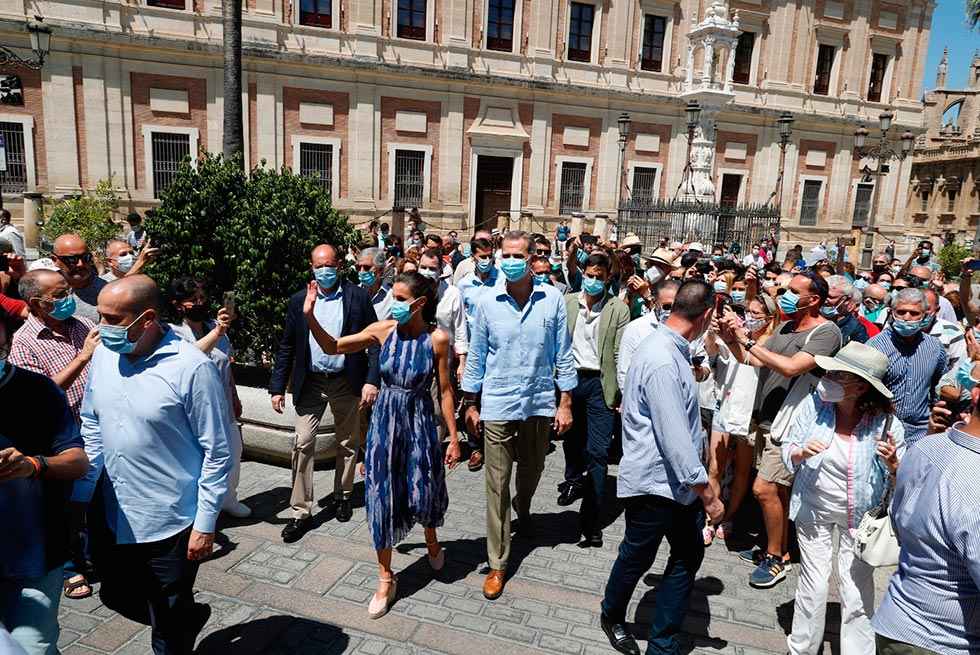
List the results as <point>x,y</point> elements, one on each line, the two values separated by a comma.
<point>875,542</point>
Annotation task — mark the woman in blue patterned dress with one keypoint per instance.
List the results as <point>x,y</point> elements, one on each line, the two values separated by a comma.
<point>405,481</point>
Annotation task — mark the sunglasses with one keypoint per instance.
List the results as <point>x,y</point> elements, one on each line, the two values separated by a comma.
<point>71,261</point>
<point>543,253</point>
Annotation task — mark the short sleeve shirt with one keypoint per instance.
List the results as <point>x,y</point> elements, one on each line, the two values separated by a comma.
<point>824,339</point>
<point>87,299</point>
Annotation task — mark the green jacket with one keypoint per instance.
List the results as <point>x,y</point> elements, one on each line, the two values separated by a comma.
<point>612,321</point>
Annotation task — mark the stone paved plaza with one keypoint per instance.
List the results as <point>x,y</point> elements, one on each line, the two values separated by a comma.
<point>311,597</point>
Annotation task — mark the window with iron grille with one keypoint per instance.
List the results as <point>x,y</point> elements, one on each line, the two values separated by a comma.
<point>581,18</point>
<point>500,25</point>
<point>572,194</point>
<point>644,187</point>
<point>316,12</point>
<point>879,64</point>
<point>168,152</point>
<point>411,19</point>
<point>14,179</point>
<point>409,178</point>
<point>825,64</point>
<point>810,202</point>
<point>316,160</point>
<point>166,4</point>
<point>925,200</point>
<point>743,58</point>
<point>654,31</point>
<point>862,204</point>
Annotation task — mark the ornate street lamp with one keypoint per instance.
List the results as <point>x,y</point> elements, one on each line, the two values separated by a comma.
<point>693,112</point>
<point>40,44</point>
<point>785,122</point>
<point>624,133</point>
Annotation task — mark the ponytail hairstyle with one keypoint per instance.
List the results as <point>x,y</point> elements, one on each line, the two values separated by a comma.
<point>421,287</point>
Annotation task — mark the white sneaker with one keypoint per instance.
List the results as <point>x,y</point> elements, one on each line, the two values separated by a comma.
<point>238,510</point>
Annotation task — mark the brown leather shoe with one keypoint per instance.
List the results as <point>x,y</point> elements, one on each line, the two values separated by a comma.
<point>493,586</point>
<point>476,461</point>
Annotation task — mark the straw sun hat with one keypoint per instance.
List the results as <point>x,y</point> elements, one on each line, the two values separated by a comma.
<point>863,361</point>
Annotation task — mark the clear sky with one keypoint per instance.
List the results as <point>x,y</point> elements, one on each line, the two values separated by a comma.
<point>949,29</point>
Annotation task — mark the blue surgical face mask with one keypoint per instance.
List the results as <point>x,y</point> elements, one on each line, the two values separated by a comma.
<point>738,295</point>
<point>542,278</point>
<point>830,312</point>
<point>116,337</point>
<point>125,263</point>
<point>466,250</point>
<point>860,284</point>
<point>63,308</point>
<point>887,286</point>
<point>789,302</point>
<point>964,375</point>
<point>484,264</point>
<point>514,269</point>
<point>581,256</point>
<point>367,278</point>
<point>401,311</point>
<point>593,286</point>
<point>721,287</point>
<point>907,328</point>
<point>326,276</point>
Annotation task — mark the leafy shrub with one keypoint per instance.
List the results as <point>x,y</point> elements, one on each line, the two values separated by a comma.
<point>247,232</point>
<point>89,215</point>
<point>950,258</point>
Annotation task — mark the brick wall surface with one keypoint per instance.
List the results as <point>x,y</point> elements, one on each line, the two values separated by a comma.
<point>291,98</point>
<point>558,148</point>
<point>751,144</point>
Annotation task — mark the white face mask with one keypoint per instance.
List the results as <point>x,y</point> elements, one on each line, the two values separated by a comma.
<point>753,324</point>
<point>125,262</point>
<point>654,275</point>
<point>830,391</point>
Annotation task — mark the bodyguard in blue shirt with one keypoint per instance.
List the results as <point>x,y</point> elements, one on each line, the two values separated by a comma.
<point>519,345</point>
<point>662,479</point>
<point>155,422</point>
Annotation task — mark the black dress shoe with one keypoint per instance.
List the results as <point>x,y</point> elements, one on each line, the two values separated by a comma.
<point>591,541</point>
<point>570,494</point>
<point>619,637</point>
<point>295,529</point>
<point>344,510</point>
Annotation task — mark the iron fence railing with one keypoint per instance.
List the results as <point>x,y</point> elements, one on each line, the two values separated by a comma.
<point>709,223</point>
<point>14,179</point>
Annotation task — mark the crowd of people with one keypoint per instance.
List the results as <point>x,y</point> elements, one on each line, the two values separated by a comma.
<point>833,393</point>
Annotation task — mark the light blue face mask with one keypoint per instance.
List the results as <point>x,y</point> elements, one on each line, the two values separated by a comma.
<point>116,337</point>
<point>466,250</point>
<point>887,286</point>
<point>401,311</point>
<point>581,256</point>
<point>593,286</point>
<point>964,375</point>
<point>721,287</point>
<point>829,312</point>
<point>326,276</point>
<point>789,302</point>
<point>860,284</point>
<point>738,295</point>
<point>542,278</point>
<point>63,308</point>
<point>367,278</point>
<point>513,268</point>
<point>484,265</point>
<point>907,328</point>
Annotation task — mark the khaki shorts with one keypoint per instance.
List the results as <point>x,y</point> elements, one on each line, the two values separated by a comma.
<point>769,460</point>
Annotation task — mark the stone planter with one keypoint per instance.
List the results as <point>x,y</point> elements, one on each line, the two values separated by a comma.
<point>269,436</point>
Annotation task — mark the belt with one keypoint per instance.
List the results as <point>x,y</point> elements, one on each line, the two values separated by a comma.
<point>588,373</point>
<point>328,376</point>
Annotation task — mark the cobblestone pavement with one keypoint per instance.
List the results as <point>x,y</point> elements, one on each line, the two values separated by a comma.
<point>311,597</point>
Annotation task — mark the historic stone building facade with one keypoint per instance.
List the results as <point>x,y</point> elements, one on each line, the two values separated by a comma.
<point>471,107</point>
<point>944,194</point>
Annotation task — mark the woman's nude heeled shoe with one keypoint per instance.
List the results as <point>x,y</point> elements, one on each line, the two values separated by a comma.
<point>379,607</point>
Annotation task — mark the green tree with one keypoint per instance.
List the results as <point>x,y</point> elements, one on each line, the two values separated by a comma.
<point>950,258</point>
<point>973,12</point>
<point>89,215</point>
<point>250,233</point>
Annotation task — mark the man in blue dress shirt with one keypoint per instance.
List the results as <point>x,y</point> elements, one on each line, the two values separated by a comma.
<point>156,428</point>
<point>519,346</point>
<point>662,479</point>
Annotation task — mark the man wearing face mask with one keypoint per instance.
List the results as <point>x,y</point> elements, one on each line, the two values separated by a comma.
<point>875,305</point>
<point>348,384</point>
<point>662,478</point>
<point>921,277</point>
<point>916,361</point>
<point>661,263</point>
<point>156,428</point>
<point>639,329</point>
<point>520,351</point>
<point>596,321</point>
<point>468,265</point>
<point>839,309</point>
<point>950,334</point>
<point>923,256</point>
<point>787,355</point>
<point>74,260</point>
<point>754,258</point>
<point>485,276</point>
<point>370,275</point>
<point>123,260</point>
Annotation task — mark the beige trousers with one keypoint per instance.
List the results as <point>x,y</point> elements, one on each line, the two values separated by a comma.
<point>320,391</point>
<point>525,442</point>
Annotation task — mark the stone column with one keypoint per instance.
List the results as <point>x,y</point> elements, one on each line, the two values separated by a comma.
<point>702,185</point>
<point>32,211</point>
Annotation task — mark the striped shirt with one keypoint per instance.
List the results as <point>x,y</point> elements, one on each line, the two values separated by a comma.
<point>933,601</point>
<point>914,370</point>
<point>37,348</point>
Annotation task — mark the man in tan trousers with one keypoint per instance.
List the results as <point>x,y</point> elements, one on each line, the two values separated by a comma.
<point>347,383</point>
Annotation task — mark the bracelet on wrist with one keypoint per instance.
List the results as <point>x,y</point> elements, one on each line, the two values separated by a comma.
<point>33,461</point>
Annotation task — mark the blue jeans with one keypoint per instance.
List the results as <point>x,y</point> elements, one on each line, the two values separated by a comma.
<point>650,519</point>
<point>587,448</point>
<point>29,610</point>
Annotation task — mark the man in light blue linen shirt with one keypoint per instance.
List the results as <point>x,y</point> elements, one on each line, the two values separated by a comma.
<point>156,428</point>
<point>519,346</point>
<point>662,478</point>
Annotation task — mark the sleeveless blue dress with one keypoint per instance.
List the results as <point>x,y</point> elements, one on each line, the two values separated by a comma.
<point>405,480</point>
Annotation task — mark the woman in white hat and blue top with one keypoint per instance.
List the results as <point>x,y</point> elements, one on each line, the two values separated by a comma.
<point>845,455</point>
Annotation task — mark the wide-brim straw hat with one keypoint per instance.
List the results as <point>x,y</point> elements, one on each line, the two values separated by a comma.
<point>863,361</point>
<point>630,240</point>
<point>663,257</point>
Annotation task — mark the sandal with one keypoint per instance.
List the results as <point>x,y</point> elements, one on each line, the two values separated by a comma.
<point>476,461</point>
<point>709,535</point>
<point>73,584</point>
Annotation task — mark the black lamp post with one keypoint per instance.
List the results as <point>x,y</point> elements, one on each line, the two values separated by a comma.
<point>40,45</point>
<point>693,112</point>
<point>785,122</point>
<point>624,132</point>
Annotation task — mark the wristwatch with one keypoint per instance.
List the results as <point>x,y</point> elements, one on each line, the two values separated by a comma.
<point>749,345</point>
